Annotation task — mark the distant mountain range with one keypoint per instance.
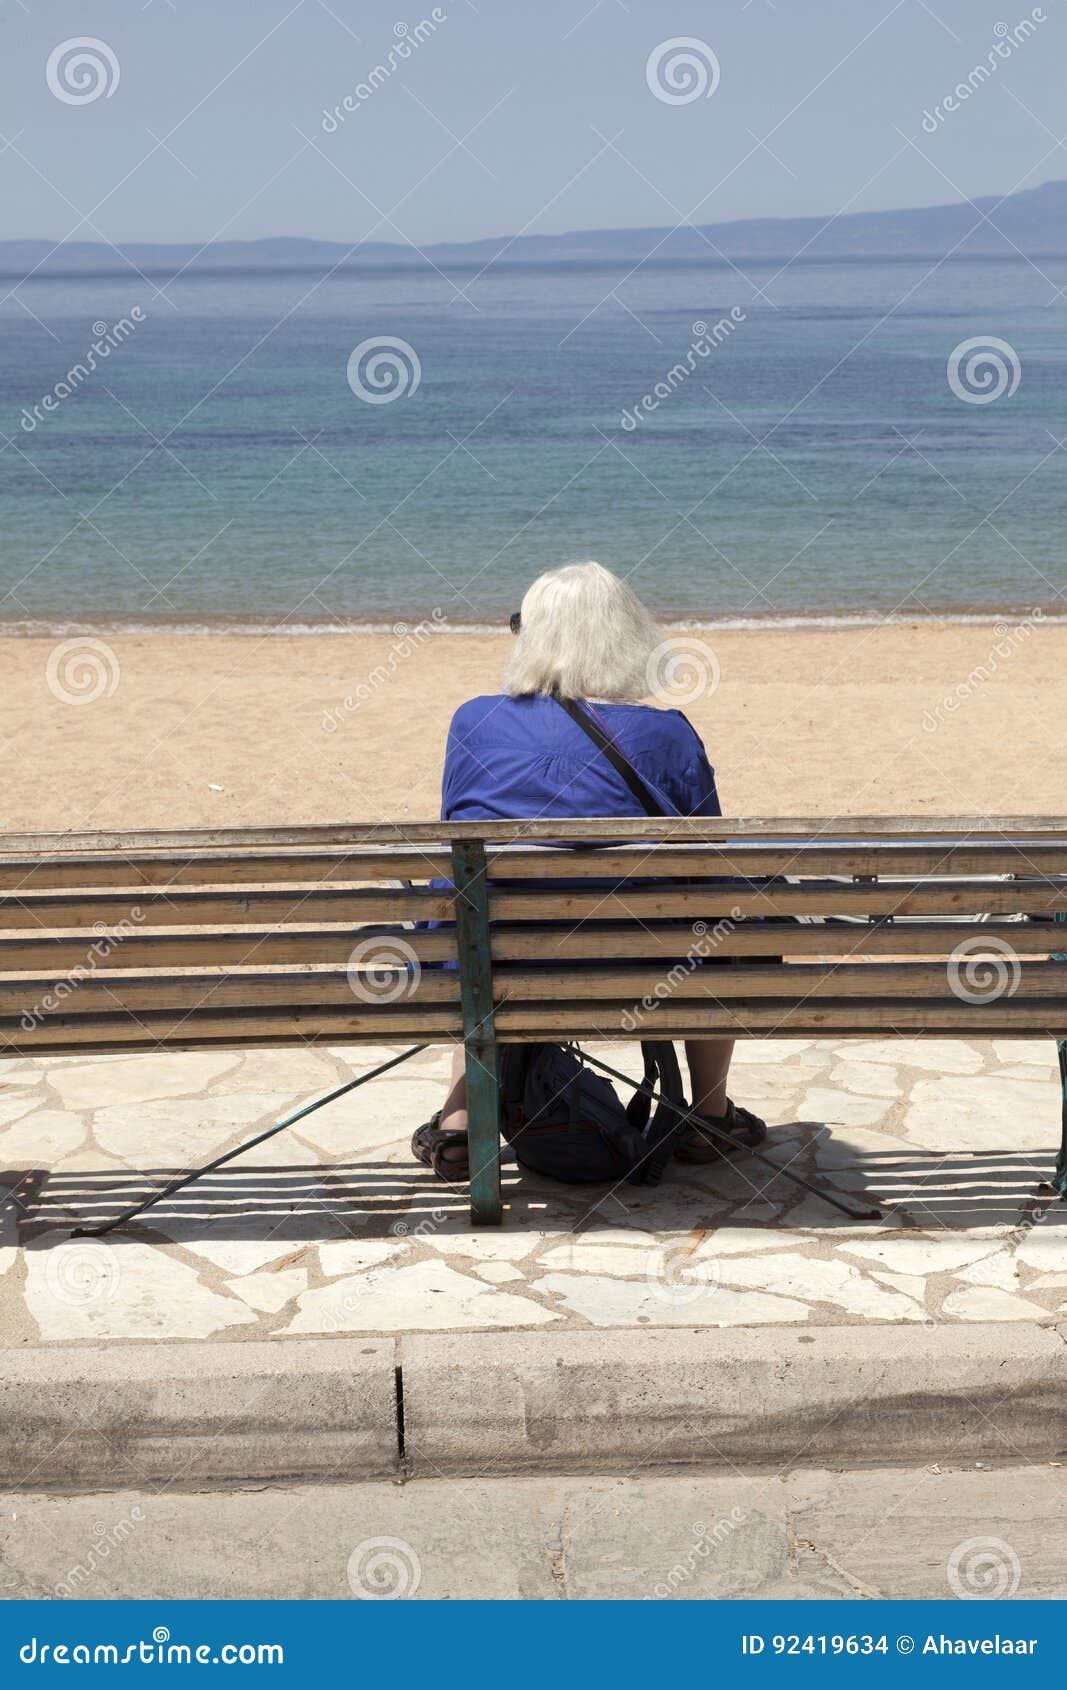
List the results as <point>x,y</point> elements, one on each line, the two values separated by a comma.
<point>1033,222</point>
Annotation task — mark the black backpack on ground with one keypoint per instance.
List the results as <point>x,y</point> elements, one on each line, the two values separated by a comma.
<point>567,1122</point>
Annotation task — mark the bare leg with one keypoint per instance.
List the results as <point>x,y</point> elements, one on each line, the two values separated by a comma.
<point>454,1108</point>
<point>709,1065</point>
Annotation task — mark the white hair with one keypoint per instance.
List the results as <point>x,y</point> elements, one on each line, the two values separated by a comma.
<point>584,634</point>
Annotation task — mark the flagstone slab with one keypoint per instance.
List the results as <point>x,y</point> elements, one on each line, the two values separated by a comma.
<point>987,1114</point>
<point>874,1079</point>
<point>13,1108</point>
<point>235,1256</point>
<point>489,1246</point>
<point>1000,1270</point>
<point>367,1120</point>
<point>353,1255</point>
<point>427,1297</point>
<point>577,1256</point>
<point>269,1292</point>
<point>620,1302</point>
<point>359,1058</point>
<point>43,1136</point>
<point>922,1255</point>
<point>289,1069</point>
<point>939,1056</point>
<point>136,1079</point>
<point>981,1302</point>
<point>89,1290</point>
<point>1040,1052</point>
<point>823,1103</point>
<point>909,1284</point>
<point>747,1240</point>
<point>819,1281</point>
<point>193,1130</point>
<point>748,1051</point>
<point>1045,1247</point>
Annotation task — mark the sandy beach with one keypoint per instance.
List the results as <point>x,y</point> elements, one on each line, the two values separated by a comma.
<point>141,730</point>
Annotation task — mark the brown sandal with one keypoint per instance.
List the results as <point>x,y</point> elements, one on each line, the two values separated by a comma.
<point>745,1132</point>
<point>429,1144</point>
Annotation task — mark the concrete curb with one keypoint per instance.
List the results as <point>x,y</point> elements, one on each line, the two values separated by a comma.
<point>837,1396</point>
<point>327,1408</point>
<point>190,1413</point>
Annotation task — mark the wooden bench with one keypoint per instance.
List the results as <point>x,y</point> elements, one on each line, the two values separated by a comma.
<point>868,927</point>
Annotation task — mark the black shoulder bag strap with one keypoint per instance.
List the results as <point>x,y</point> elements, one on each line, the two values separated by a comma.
<point>668,1123</point>
<point>619,763</point>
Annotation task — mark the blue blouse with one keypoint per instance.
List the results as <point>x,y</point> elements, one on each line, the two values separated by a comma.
<point>516,758</point>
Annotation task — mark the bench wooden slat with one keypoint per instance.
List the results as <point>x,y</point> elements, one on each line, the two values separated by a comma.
<point>151,908</point>
<point>870,828</point>
<point>37,996</point>
<point>133,869</point>
<point>57,954</point>
<point>162,1029</point>
<point>209,989</point>
<point>863,982</point>
<point>765,1018</point>
<point>259,868</point>
<point>157,1029</point>
<point>724,899</point>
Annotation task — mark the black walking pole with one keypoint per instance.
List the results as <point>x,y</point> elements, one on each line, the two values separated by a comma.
<point>209,1168</point>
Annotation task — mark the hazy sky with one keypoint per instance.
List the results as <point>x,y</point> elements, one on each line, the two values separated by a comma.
<point>510,114</point>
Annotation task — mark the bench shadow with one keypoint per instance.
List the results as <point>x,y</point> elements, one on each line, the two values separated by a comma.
<point>382,1200</point>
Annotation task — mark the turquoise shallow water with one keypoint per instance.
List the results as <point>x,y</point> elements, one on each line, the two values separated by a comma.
<point>217,464</point>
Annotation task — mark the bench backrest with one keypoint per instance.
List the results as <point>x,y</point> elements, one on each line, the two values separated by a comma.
<point>256,936</point>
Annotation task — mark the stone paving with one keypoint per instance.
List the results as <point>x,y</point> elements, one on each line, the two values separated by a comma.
<point>331,1228</point>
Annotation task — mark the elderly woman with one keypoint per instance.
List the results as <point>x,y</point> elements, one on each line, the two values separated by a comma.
<point>582,635</point>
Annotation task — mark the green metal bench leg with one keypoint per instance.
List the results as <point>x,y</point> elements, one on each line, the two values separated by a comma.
<point>479,1040</point>
<point>1059,1178</point>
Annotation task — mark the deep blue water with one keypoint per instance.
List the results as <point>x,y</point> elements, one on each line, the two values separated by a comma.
<point>218,463</point>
